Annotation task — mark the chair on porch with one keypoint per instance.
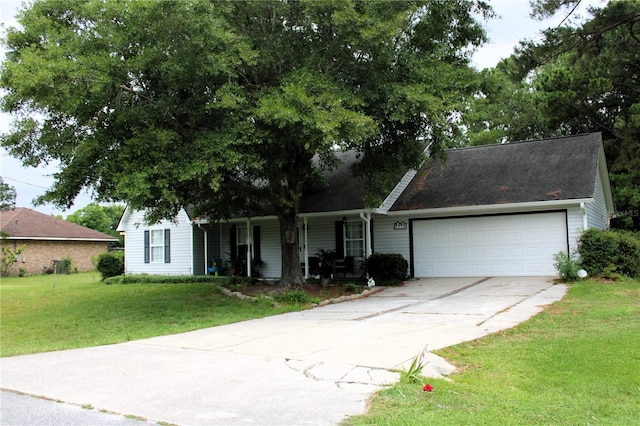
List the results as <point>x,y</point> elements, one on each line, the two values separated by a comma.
<point>345,266</point>
<point>314,265</point>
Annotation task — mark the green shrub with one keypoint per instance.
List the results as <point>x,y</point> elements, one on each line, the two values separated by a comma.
<point>294,297</point>
<point>386,267</point>
<point>567,266</point>
<point>352,287</point>
<point>65,266</point>
<point>602,252</point>
<point>163,279</point>
<point>110,264</point>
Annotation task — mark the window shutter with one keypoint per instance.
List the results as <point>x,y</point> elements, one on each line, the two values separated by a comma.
<point>167,246</point>
<point>256,244</point>
<point>233,239</point>
<point>146,247</point>
<point>339,240</point>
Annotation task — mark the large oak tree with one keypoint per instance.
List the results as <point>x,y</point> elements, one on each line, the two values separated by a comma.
<point>224,105</point>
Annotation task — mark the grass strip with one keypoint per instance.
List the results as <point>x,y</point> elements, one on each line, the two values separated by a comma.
<point>576,363</point>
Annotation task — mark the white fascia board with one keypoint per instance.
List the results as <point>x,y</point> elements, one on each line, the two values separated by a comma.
<point>98,240</point>
<point>492,208</point>
<point>123,220</point>
<point>396,192</point>
<point>301,215</point>
<point>399,188</point>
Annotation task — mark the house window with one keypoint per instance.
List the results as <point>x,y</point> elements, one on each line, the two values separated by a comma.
<point>354,239</point>
<point>157,246</point>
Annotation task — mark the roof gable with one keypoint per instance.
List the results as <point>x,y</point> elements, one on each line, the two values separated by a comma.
<point>23,223</point>
<point>543,170</point>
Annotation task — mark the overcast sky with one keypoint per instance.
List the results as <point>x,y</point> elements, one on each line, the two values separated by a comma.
<point>513,25</point>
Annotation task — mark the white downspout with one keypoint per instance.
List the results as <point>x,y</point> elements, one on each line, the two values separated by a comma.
<point>306,251</point>
<point>249,243</point>
<point>206,255</point>
<point>584,216</point>
<point>367,243</point>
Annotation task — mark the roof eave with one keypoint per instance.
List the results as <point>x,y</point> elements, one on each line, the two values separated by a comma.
<point>492,208</point>
<point>99,240</point>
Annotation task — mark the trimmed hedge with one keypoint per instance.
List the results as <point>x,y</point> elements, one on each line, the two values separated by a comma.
<point>604,252</point>
<point>162,279</point>
<point>386,266</point>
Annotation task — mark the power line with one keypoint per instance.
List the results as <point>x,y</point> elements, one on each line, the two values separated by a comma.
<point>39,186</point>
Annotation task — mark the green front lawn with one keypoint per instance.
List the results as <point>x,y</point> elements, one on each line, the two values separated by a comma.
<point>80,311</point>
<point>577,363</point>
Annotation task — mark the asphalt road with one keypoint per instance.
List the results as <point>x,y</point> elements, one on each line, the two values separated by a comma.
<point>21,410</point>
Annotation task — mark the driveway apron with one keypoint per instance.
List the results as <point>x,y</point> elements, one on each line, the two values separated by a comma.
<point>305,368</point>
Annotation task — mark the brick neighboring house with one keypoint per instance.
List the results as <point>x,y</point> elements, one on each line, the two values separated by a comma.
<point>47,239</point>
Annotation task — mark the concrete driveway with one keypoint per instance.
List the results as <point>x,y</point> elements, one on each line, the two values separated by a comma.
<point>305,368</point>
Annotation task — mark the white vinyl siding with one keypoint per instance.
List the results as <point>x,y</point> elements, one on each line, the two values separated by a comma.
<point>181,246</point>
<point>574,227</point>
<point>387,239</point>
<point>597,215</point>
<point>497,245</point>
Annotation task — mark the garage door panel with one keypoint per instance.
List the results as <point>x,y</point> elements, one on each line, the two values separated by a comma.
<point>500,245</point>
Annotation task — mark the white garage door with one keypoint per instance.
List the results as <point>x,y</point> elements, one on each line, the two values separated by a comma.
<point>503,245</point>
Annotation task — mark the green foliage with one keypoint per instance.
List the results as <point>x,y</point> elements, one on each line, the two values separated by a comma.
<point>80,312</point>
<point>414,373</point>
<point>65,266</point>
<point>223,106</point>
<point>352,287</point>
<point>555,369</point>
<point>110,264</point>
<point>162,279</point>
<point>326,259</point>
<point>578,79</point>
<point>605,252</point>
<point>7,196</point>
<point>9,256</point>
<point>293,297</point>
<point>567,266</point>
<point>386,267</point>
<point>104,219</point>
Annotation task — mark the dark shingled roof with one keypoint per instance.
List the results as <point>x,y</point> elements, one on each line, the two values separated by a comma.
<point>25,224</point>
<point>343,191</point>
<point>549,169</point>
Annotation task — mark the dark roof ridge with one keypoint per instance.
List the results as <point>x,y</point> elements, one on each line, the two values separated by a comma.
<point>519,142</point>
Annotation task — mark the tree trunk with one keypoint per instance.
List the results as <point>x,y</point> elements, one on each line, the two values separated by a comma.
<point>291,271</point>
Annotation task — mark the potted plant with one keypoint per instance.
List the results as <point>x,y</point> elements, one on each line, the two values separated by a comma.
<point>326,258</point>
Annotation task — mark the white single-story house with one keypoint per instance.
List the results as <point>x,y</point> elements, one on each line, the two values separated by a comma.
<point>492,210</point>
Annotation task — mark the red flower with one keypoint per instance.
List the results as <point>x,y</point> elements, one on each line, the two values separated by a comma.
<point>427,388</point>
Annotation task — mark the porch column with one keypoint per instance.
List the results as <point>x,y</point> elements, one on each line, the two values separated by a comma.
<point>367,235</point>
<point>206,252</point>
<point>306,251</point>
<point>249,243</point>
